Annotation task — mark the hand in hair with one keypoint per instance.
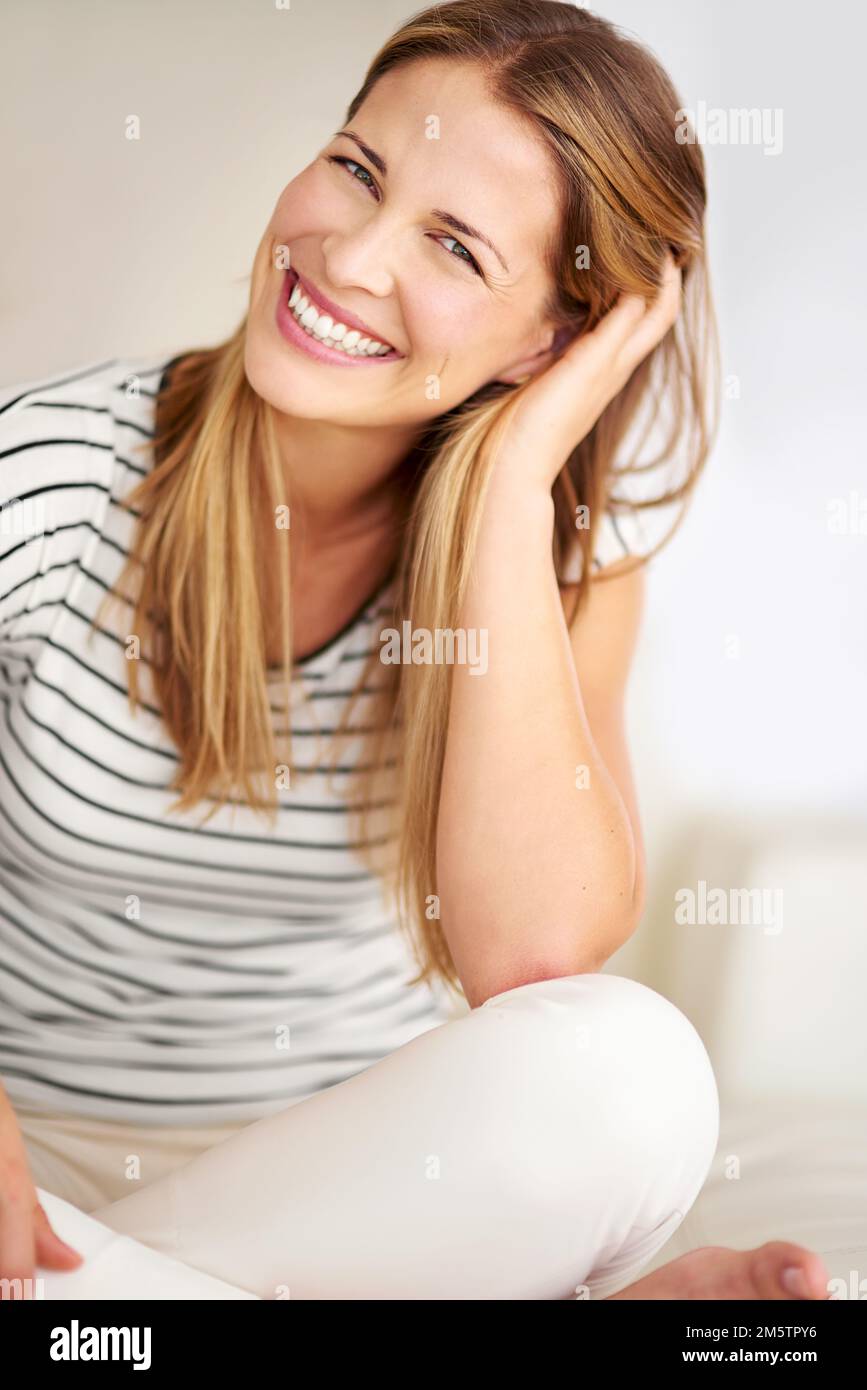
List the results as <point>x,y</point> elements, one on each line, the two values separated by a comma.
<point>559,406</point>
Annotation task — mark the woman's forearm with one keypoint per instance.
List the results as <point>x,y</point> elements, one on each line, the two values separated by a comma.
<point>535,857</point>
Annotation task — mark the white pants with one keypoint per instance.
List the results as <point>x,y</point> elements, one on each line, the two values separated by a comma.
<point>543,1146</point>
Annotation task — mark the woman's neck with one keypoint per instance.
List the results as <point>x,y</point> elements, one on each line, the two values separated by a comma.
<point>340,480</point>
<point>347,506</point>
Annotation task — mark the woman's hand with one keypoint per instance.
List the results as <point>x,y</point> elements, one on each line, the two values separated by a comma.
<point>564,400</point>
<point>26,1238</point>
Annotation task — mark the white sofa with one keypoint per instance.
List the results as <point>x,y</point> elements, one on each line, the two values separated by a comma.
<point>783,1015</point>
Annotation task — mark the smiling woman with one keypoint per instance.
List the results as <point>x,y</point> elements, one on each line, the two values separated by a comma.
<point>257,869</point>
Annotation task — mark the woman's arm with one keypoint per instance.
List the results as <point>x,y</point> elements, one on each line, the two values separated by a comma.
<point>539,850</point>
<point>539,867</point>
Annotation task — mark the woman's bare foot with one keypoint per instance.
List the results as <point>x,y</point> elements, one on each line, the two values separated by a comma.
<point>717,1273</point>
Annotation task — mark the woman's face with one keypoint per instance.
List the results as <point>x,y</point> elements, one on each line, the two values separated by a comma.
<point>381,248</point>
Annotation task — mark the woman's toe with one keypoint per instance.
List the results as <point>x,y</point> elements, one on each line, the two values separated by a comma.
<point>781,1270</point>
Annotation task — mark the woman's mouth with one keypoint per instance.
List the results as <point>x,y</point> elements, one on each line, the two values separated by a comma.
<point>308,324</point>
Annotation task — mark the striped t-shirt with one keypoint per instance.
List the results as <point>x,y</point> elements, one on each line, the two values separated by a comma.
<point>154,969</point>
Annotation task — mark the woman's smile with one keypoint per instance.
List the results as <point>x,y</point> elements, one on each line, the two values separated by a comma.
<point>310,321</point>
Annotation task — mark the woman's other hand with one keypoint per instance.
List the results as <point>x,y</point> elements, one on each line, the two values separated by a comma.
<point>26,1238</point>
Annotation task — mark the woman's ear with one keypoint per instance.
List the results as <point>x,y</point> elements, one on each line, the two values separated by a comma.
<point>564,336</point>
<point>530,366</point>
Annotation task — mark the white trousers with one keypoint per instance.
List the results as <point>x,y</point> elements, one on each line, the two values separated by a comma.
<point>543,1146</point>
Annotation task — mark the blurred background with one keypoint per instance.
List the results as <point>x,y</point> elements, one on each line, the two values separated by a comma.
<point>748,699</point>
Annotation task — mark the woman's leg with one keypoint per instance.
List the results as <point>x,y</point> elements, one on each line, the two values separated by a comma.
<point>92,1162</point>
<point>551,1139</point>
<point>117,1268</point>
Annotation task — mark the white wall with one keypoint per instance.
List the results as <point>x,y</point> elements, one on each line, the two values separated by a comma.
<point>782,725</point>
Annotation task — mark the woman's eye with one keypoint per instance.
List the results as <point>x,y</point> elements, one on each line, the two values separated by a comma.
<point>466,257</point>
<point>354,169</point>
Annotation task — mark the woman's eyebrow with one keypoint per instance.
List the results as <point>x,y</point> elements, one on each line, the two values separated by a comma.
<point>448,217</point>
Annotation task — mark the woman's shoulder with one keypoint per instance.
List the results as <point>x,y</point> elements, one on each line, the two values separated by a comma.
<point>75,418</point>
<point>64,436</point>
<point>71,443</point>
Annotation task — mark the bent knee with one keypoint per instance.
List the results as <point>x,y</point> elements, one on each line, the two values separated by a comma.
<point>622,1058</point>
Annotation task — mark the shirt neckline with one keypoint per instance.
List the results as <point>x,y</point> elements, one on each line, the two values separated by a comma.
<point>303,663</point>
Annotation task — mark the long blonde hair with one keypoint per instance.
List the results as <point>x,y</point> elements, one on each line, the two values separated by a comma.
<point>630,190</point>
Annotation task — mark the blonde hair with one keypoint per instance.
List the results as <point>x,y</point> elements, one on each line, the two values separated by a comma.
<point>630,191</point>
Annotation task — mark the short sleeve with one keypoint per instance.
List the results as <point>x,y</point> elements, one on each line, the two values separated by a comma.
<point>53,487</point>
<point>620,533</point>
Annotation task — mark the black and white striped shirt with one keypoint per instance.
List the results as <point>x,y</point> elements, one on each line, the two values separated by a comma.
<point>154,969</point>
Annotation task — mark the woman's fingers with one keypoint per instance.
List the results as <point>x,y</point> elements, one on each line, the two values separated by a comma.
<point>17,1231</point>
<point>26,1237</point>
<point>51,1251</point>
<point>27,1240</point>
<point>631,329</point>
<point>660,316</point>
<point>567,397</point>
<point>614,330</point>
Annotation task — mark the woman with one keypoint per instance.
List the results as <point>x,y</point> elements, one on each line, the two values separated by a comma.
<point>458,311</point>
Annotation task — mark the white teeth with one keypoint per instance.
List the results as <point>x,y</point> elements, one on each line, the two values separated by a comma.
<point>336,335</point>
